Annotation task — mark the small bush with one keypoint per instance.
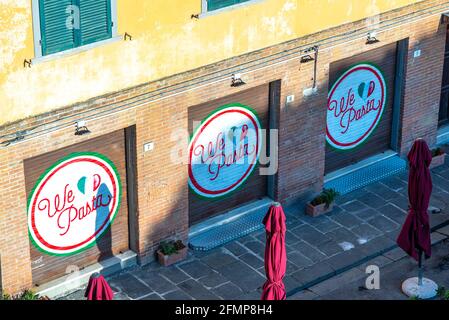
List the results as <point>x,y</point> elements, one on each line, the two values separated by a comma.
<point>437,152</point>
<point>443,293</point>
<point>171,247</point>
<point>4,296</point>
<point>327,196</point>
<point>28,295</point>
<point>25,295</point>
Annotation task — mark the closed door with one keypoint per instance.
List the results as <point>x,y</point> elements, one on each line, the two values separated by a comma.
<point>379,140</point>
<point>114,240</point>
<point>255,187</point>
<point>444,104</point>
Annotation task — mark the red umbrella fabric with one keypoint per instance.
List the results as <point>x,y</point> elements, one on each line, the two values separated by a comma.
<point>415,234</point>
<point>275,254</point>
<point>98,289</point>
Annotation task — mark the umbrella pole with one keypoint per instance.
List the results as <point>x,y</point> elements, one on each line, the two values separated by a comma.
<point>420,271</point>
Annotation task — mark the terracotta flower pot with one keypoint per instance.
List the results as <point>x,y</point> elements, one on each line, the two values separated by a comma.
<point>167,260</point>
<point>437,161</point>
<point>318,210</point>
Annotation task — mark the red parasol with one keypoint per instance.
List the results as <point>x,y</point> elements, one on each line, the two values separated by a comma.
<point>275,254</point>
<point>414,237</point>
<point>98,289</point>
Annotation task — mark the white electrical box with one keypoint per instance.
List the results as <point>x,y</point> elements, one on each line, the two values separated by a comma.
<point>417,53</point>
<point>290,98</point>
<point>148,146</point>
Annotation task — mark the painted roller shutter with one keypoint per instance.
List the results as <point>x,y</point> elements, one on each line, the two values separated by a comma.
<point>444,104</point>
<point>115,240</point>
<point>380,140</point>
<point>256,186</point>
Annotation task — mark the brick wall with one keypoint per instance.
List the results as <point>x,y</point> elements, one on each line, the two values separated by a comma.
<point>422,88</point>
<point>162,184</point>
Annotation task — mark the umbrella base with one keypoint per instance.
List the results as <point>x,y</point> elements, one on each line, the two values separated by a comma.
<point>427,290</point>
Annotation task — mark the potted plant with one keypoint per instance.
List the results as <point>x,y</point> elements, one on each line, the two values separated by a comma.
<point>438,156</point>
<point>170,252</point>
<point>25,295</point>
<point>323,203</point>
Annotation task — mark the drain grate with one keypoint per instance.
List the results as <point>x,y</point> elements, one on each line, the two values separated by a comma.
<point>225,233</point>
<point>362,177</point>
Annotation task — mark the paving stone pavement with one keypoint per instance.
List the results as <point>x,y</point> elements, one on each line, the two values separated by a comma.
<point>351,285</point>
<point>363,225</point>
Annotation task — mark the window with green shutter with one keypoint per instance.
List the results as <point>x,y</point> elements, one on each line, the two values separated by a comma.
<point>67,24</point>
<point>218,4</point>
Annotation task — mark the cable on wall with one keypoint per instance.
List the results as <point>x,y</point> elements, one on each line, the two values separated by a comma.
<point>195,83</point>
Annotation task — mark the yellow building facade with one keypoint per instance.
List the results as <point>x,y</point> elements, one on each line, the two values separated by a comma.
<point>166,40</point>
<point>128,104</point>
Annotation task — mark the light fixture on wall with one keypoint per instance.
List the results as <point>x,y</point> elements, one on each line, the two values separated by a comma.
<point>308,57</point>
<point>81,128</point>
<point>127,36</point>
<point>372,38</point>
<point>237,80</point>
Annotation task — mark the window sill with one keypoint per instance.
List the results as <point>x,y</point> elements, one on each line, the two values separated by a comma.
<point>206,14</point>
<point>74,51</point>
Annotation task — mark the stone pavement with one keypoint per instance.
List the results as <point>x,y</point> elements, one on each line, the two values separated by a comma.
<point>350,285</point>
<point>363,225</point>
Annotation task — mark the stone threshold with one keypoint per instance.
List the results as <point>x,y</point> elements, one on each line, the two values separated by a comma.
<point>229,226</point>
<point>443,135</point>
<point>436,238</point>
<point>359,165</point>
<point>365,172</point>
<point>76,279</point>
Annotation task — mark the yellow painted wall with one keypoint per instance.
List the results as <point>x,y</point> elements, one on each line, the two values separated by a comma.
<point>165,41</point>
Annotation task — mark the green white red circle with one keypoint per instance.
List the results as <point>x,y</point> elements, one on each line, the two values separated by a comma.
<point>224,151</point>
<point>356,104</point>
<point>73,203</point>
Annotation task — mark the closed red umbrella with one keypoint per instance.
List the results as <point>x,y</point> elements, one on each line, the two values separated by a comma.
<point>98,289</point>
<point>275,254</point>
<point>414,237</point>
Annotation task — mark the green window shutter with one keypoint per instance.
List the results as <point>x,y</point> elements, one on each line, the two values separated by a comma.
<point>55,35</point>
<point>218,4</point>
<point>96,23</point>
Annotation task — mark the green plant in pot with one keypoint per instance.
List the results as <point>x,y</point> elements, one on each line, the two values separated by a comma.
<point>25,295</point>
<point>170,252</point>
<point>438,157</point>
<point>323,203</point>
<point>437,152</point>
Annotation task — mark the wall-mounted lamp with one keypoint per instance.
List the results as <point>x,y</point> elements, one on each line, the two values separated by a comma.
<point>371,39</point>
<point>81,128</point>
<point>195,16</point>
<point>127,36</point>
<point>237,80</point>
<point>27,63</point>
<point>306,58</point>
<point>308,54</point>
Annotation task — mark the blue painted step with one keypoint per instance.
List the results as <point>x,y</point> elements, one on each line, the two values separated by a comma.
<point>228,227</point>
<point>366,175</point>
